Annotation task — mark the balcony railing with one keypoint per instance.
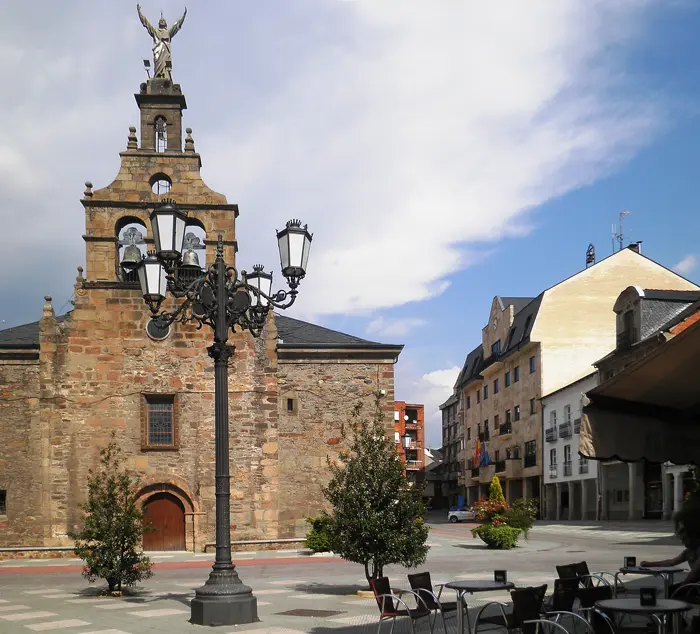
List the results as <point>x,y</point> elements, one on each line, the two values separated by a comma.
<point>500,466</point>
<point>553,472</point>
<point>583,466</point>
<point>550,434</point>
<point>567,468</point>
<point>505,428</point>
<point>530,461</point>
<point>475,472</point>
<point>482,436</point>
<point>565,430</point>
<point>414,464</point>
<point>577,425</point>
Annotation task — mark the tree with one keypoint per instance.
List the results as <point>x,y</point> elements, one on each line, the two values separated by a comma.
<point>376,518</point>
<point>495,490</point>
<point>110,540</point>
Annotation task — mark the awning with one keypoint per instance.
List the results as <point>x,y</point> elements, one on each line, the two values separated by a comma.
<point>651,410</point>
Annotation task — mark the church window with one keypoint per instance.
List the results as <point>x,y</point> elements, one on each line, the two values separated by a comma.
<point>291,405</point>
<point>160,430</point>
<point>3,502</point>
<point>160,184</point>
<point>161,134</point>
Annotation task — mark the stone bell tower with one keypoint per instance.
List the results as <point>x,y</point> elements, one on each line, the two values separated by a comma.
<point>157,166</point>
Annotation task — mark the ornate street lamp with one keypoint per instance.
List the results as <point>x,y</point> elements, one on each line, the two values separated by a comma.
<point>223,301</point>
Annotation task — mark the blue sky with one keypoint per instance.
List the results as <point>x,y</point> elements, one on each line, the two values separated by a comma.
<point>442,152</point>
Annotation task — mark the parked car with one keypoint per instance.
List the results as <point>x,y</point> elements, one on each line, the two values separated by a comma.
<point>460,515</point>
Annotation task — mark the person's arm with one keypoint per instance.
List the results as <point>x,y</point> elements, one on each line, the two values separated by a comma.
<point>666,562</point>
<point>694,574</point>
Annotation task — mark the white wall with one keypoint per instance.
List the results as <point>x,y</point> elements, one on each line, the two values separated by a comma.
<point>570,395</point>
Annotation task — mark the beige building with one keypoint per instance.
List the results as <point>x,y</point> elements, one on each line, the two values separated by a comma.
<point>532,347</point>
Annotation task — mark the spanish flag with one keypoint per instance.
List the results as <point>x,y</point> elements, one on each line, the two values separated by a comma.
<point>477,451</point>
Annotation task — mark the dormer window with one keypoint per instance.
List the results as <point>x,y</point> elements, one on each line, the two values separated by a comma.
<point>628,335</point>
<point>496,348</point>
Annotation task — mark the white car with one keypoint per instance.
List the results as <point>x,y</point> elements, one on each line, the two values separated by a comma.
<point>460,515</point>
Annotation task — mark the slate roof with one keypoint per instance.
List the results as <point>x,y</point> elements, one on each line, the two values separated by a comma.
<point>292,332</point>
<point>661,307</point>
<point>518,303</point>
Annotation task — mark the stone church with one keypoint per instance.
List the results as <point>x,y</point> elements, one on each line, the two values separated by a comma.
<point>67,382</point>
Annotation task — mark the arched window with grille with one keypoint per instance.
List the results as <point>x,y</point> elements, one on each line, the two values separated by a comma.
<point>161,134</point>
<point>131,235</point>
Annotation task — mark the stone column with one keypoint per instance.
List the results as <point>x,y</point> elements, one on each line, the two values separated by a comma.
<point>603,492</point>
<point>632,469</point>
<point>584,499</point>
<point>557,506</point>
<point>677,491</point>
<point>570,485</point>
<point>667,492</point>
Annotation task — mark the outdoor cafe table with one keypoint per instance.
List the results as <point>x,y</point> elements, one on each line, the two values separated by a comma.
<point>665,572</point>
<point>658,612</point>
<point>469,586</point>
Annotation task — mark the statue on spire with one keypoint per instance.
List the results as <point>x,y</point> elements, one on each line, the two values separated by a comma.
<point>162,37</point>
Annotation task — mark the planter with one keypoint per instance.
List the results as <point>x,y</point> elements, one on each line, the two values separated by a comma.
<point>497,537</point>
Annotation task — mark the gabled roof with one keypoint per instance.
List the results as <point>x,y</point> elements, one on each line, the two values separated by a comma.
<point>472,366</point>
<point>292,332</point>
<point>518,303</point>
<point>523,323</point>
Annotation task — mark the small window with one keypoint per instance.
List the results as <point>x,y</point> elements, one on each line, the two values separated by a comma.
<point>567,453</point>
<point>160,430</point>
<point>486,392</point>
<point>507,416</point>
<point>567,413</point>
<point>290,404</point>
<point>469,402</point>
<point>496,348</point>
<point>553,418</point>
<point>3,502</point>
<point>516,374</point>
<point>469,433</point>
<point>497,456</point>
<point>531,448</point>
<point>533,406</point>
<point>397,437</point>
<point>496,421</point>
<point>160,184</point>
<point>507,379</point>
<point>553,456</point>
<point>532,364</point>
<point>516,413</point>
<point>496,386</point>
<point>478,396</point>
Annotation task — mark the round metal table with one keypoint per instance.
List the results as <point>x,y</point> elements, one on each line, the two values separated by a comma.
<point>666,573</point>
<point>658,612</point>
<point>470,586</point>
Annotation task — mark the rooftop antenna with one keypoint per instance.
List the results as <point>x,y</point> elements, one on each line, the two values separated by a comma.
<point>590,255</point>
<point>147,66</point>
<point>619,236</point>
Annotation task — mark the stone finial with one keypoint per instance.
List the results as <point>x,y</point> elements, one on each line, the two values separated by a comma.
<point>132,141</point>
<point>189,141</point>
<point>48,308</point>
<point>79,287</point>
<point>88,190</point>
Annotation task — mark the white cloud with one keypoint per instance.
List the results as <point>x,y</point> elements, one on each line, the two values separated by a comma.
<point>687,265</point>
<point>406,134</point>
<point>394,327</point>
<point>431,389</point>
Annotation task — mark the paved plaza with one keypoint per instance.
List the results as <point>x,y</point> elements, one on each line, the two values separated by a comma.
<point>51,596</point>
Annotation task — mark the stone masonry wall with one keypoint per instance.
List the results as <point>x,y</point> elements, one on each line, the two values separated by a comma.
<point>20,453</point>
<point>324,394</point>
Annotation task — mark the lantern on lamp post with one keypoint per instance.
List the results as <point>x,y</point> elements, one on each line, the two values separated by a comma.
<point>224,301</point>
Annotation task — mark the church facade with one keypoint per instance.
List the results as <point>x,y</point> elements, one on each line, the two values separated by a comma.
<point>68,382</point>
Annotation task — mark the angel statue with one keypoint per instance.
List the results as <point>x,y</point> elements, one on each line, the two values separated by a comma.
<point>162,36</point>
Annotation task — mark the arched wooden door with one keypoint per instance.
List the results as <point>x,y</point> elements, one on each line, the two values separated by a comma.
<point>167,517</point>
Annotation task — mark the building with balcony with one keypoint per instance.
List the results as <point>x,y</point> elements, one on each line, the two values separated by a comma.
<point>646,320</point>
<point>570,481</point>
<point>410,439</point>
<point>535,346</point>
<point>452,468</point>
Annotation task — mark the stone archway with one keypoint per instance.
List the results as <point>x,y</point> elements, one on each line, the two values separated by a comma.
<point>173,515</point>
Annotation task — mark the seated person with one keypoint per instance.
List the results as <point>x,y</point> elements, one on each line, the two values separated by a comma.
<point>690,555</point>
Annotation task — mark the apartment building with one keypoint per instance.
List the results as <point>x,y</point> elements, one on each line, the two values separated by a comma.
<point>452,468</point>
<point>409,434</point>
<point>570,481</point>
<point>532,347</point>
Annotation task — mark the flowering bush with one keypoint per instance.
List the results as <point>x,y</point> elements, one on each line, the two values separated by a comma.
<point>490,511</point>
<point>496,531</point>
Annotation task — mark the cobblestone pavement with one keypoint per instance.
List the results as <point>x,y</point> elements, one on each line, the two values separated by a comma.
<point>39,597</point>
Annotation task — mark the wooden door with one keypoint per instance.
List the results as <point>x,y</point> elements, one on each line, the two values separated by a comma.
<point>167,517</point>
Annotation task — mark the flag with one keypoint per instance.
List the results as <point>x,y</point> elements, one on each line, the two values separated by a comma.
<point>484,460</point>
<point>477,452</point>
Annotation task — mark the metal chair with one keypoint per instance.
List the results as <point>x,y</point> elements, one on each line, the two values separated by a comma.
<point>527,607</point>
<point>389,603</point>
<point>422,585</point>
<point>589,579</point>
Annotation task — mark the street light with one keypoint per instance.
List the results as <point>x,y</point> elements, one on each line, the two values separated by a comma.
<point>223,301</point>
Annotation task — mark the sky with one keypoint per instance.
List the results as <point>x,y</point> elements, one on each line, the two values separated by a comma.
<point>441,152</point>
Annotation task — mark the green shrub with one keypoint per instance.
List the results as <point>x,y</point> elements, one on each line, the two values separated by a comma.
<point>522,514</point>
<point>319,538</point>
<point>496,491</point>
<point>497,537</point>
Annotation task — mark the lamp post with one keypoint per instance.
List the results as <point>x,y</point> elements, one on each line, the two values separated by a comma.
<point>222,300</point>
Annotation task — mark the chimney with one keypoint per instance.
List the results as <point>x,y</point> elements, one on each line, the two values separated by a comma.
<point>636,247</point>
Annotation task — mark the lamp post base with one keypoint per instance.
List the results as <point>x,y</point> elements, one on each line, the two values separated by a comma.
<point>224,600</point>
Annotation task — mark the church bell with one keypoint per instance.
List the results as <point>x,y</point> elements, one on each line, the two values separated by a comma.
<point>190,258</point>
<point>132,257</point>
